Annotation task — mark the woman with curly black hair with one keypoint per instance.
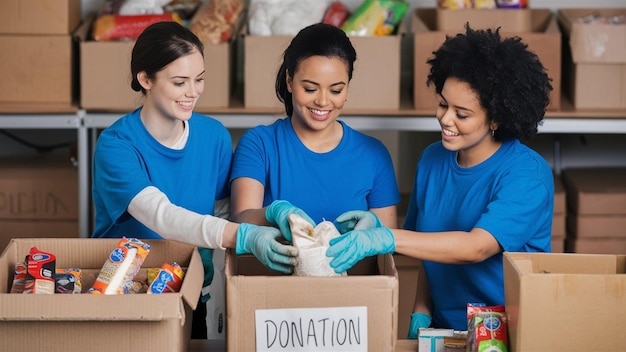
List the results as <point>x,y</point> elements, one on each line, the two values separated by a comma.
<point>479,191</point>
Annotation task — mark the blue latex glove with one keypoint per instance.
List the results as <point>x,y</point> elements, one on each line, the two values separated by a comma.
<point>418,320</point>
<point>207,262</point>
<point>261,241</point>
<point>277,212</point>
<point>357,220</point>
<point>350,248</point>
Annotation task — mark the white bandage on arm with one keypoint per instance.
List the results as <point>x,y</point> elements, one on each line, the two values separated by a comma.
<point>152,208</point>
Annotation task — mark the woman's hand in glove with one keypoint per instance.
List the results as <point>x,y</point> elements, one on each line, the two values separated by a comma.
<point>357,220</point>
<point>418,321</point>
<point>277,213</point>
<point>355,245</point>
<point>261,241</point>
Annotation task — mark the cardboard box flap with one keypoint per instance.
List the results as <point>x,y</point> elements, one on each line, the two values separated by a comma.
<point>594,42</point>
<point>563,263</point>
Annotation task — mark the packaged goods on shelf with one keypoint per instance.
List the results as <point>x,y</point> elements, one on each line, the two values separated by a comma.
<point>594,43</point>
<point>565,301</point>
<point>368,296</point>
<point>153,322</point>
<point>544,39</point>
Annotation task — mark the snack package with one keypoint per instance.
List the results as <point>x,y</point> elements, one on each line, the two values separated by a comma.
<point>41,267</point>
<point>216,20</point>
<point>118,27</point>
<point>486,328</point>
<point>455,4</point>
<point>312,244</point>
<point>168,279</point>
<point>336,14</point>
<point>376,17</point>
<point>120,268</point>
<point>19,277</point>
<point>68,280</point>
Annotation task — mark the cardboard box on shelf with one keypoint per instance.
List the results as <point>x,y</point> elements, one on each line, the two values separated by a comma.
<point>595,191</point>
<point>595,245</point>
<point>544,40</point>
<point>558,225</point>
<point>510,20</point>
<point>37,68</point>
<point>558,244</point>
<point>559,196</point>
<point>39,16</point>
<point>130,322</point>
<point>377,65</point>
<point>38,198</point>
<point>369,293</point>
<point>594,55</point>
<point>105,75</point>
<point>548,294</point>
<point>596,226</point>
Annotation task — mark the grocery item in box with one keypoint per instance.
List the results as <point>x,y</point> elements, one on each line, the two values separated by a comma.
<point>41,267</point>
<point>168,279</point>
<point>68,280</point>
<point>312,244</point>
<point>124,262</point>
<point>376,17</point>
<point>486,328</point>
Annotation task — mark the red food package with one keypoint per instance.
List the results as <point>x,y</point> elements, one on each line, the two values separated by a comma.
<point>336,14</point>
<point>486,328</point>
<point>116,27</point>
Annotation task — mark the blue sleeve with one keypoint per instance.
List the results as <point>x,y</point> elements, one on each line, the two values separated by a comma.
<point>226,156</point>
<point>385,190</point>
<point>249,158</point>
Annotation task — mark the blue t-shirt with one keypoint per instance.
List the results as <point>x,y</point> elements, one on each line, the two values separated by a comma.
<point>356,175</point>
<point>510,195</point>
<point>128,159</point>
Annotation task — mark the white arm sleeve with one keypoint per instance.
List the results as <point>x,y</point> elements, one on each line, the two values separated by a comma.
<point>152,208</point>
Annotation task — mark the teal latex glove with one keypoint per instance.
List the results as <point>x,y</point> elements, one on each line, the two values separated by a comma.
<point>277,212</point>
<point>350,248</point>
<point>357,220</point>
<point>207,262</point>
<point>418,321</point>
<point>261,241</point>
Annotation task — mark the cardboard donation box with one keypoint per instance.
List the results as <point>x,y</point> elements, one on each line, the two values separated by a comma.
<point>38,198</point>
<point>39,16</point>
<point>596,215</point>
<point>594,56</point>
<point>270,312</point>
<point>565,301</point>
<point>105,75</point>
<point>544,39</point>
<point>124,322</point>
<point>377,65</point>
<point>510,20</point>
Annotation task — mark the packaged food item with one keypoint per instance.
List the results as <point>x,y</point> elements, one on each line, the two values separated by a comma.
<point>118,27</point>
<point>216,20</point>
<point>455,4</point>
<point>168,279</point>
<point>376,17</point>
<point>68,280</point>
<point>19,277</point>
<point>312,244</point>
<point>120,268</point>
<point>486,328</point>
<point>40,272</point>
<point>336,14</point>
<point>512,4</point>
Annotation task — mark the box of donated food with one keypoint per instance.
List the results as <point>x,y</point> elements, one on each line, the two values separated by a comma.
<point>98,322</point>
<point>565,301</point>
<point>544,39</point>
<point>594,56</point>
<point>266,311</point>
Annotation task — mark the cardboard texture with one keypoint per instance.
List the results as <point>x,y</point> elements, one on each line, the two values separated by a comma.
<point>592,245</point>
<point>558,225</point>
<point>596,226</point>
<point>39,16</point>
<point>594,56</point>
<point>134,322</point>
<point>37,68</point>
<point>38,198</point>
<point>596,191</point>
<point>558,244</point>
<point>510,20</point>
<point>105,75</point>
<point>544,40</point>
<point>408,272</point>
<point>377,65</point>
<point>565,302</point>
<point>559,196</point>
<point>373,283</point>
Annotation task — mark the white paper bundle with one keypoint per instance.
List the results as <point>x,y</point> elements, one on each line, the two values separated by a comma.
<point>312,244</point>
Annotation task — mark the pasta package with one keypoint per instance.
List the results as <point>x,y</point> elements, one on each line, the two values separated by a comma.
<point>118,27</point>
<point>120,268</point>
<point>312,244</point>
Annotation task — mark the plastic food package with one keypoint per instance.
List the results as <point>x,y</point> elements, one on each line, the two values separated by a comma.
<point>312,244</point>
<point>486,328</point>
<point>216,20</point>
<point>284,17</point>
<point>120,268</point>
<point>376,17</point>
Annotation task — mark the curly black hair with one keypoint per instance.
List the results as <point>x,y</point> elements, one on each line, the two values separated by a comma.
<point>509,80</point>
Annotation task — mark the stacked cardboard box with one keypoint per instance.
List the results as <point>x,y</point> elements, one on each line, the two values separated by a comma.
<point>265,310</point>
<point>565,301</point>
<point>558,220</point>
<point>37,53</point>
<point>594,56</point>
<point>544,39</point>
<point>133,322</point>
<point>596,210</point>
<point>38,198</point>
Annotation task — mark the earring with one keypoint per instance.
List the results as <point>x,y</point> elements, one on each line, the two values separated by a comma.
<point>493,133</point>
